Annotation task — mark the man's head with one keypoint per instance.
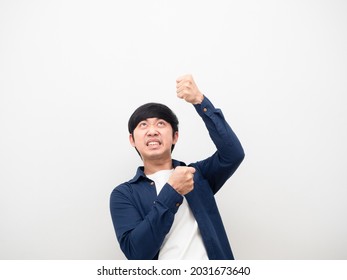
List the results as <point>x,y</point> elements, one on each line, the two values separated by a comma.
<point>153,129</point>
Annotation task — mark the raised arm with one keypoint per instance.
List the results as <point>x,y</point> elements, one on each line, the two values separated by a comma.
<point>224,162</point>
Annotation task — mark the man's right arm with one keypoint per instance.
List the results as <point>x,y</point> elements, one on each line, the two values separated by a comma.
<point>140,234</point>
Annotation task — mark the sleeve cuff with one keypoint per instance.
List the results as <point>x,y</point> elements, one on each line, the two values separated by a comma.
<point>205,107</point>
<point>170,198</point>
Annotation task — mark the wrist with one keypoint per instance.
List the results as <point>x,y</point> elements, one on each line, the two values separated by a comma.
<point>199,99</point>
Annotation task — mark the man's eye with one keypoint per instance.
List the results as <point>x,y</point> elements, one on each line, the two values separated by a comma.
<point>143,124</point>
<point>161,123</point>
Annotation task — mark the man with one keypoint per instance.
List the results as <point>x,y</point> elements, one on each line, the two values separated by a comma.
<point>168,210</point>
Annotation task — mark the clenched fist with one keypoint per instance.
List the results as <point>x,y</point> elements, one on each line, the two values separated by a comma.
<point>182,179</point>
<point>188,90</point>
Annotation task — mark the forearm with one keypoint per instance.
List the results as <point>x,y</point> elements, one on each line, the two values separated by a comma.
<point>144,240</point>
<point>219,167</point>
<point>220,131</point>
<point>141,236</point>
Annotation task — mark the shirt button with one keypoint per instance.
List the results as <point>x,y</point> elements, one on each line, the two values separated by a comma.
<point>178,204</point>
<point>152,183</point>
<point>205,110</point>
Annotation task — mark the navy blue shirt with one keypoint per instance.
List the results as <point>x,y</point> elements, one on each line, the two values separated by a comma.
<point>142,218</point>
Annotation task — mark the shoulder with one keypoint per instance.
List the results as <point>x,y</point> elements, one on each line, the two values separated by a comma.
<point>127,186</point>
<point>122,189</point>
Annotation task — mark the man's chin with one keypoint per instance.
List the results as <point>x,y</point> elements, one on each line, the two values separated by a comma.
<point>156,155</point>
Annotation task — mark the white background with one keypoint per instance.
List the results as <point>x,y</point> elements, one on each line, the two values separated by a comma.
<point>72,72</point>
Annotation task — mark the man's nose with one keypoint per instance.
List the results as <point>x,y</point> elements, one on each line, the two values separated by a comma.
<point>152,130</point>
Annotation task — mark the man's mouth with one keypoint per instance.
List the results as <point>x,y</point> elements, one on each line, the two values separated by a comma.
<point>152,143</point>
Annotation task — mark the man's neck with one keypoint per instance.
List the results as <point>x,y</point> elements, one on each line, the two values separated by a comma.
<point>153,166</point>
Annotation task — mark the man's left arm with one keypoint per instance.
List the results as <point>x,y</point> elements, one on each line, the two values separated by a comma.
<point>223,163</point>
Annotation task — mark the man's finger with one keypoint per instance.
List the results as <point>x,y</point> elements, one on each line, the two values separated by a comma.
<point>192,169</point>
<point>187,77</point>
<point>180,78</point>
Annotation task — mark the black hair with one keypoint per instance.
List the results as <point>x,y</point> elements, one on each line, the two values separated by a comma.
<point>153,110</point>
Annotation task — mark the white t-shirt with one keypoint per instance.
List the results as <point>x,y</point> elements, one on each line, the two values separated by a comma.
<point>183,242</point>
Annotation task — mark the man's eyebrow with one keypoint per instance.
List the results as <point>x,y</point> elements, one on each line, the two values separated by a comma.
<point>146,120</point>
<point>156,119</point>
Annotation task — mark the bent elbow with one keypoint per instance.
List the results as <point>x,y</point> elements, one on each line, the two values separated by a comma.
<point>241,155</point>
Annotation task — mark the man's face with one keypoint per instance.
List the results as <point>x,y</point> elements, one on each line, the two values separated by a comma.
<point>153,138</point>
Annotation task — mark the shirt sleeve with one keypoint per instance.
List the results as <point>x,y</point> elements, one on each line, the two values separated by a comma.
<point>140,235</point>
<point>223,163</point>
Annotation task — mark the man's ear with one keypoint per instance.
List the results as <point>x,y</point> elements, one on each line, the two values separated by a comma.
<point>175,137</point>
<point>132,140</point>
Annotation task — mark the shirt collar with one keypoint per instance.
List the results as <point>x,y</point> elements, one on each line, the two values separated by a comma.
<point>141,174</point>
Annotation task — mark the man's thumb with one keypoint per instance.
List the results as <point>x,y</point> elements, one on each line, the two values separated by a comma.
<point>192,169</point>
